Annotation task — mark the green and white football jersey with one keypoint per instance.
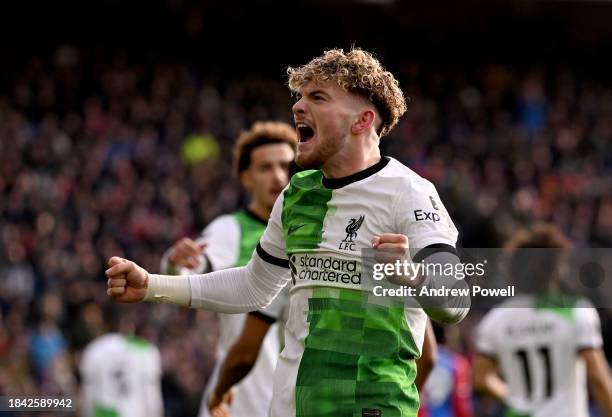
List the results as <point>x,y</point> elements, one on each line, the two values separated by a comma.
<point>121,377</point>
<point>536,345</point>
<point>348,353</point>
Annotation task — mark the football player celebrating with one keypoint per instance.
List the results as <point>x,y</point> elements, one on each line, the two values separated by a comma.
<point>347,352</point>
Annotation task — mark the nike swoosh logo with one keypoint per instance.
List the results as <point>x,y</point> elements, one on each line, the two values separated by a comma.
<point>293,228</point>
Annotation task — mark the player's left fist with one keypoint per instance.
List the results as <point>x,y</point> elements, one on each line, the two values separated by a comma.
<point>393,248</point>
<point>390,247</point>
<point>127,282</point>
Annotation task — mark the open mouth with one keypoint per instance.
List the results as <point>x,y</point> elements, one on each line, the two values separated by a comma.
<point>305,133</point>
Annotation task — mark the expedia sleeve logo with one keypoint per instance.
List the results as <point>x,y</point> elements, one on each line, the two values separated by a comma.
<point>422,215</point>
<point>313,269</point>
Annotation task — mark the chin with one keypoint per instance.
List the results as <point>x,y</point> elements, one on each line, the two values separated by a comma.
<point>308,161</point>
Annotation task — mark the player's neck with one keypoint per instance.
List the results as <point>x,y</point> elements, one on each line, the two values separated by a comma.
<point>260,210</point>
<point>352,159</point>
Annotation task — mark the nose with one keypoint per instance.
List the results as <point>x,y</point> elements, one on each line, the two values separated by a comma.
<point>298,107</point>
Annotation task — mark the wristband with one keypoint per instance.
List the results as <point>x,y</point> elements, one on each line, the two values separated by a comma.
<point>169,289</point>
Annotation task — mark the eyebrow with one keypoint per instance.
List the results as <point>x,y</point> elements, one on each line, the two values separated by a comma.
<point>312,93</point>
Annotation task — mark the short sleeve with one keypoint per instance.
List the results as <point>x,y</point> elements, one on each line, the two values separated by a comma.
<point>271,247</point>
<point>223,237</point>
<point>421,216</point>
<point>588,326</point>
<point>485,336</point>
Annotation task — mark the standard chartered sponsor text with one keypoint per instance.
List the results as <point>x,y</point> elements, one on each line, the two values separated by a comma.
<point>328,269</point>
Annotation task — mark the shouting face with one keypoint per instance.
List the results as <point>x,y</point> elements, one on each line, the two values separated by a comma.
<point>323,115</point>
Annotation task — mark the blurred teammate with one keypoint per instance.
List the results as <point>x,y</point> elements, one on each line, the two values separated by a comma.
<point>262,156</point>
<point>121,376</point>
<point>346,351</point>
<point>448,391</point>
<point>545,345</point>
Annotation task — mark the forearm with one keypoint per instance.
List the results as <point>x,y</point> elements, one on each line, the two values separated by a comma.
<point>445,309</point>
<point>429,357</point>
<point>235,290</point>
<point>601,383</point>
<point>234,369</point>
<point>600,378</point>
<point>424,368</point>
<point>491,384</point>
<point>603,395</point>
<point>496,387</point>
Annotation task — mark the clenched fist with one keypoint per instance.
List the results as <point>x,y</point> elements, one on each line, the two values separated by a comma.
<point>391,248</point>
<point>127,282</point>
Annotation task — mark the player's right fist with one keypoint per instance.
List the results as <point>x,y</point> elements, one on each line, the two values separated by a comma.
<point>186,253</point>
<point>127,282</point>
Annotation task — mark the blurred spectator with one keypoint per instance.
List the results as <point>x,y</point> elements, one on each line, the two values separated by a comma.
<point>46,341</point>
<point>103,157</point>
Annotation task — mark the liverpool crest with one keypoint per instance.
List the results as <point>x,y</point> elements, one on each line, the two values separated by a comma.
<point>351,233</point>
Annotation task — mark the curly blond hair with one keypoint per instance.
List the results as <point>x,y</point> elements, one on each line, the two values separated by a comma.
<point>261,133</point>
<point>358,72</point>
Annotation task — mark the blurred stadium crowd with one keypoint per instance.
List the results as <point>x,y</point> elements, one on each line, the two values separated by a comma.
<point>111,157</point>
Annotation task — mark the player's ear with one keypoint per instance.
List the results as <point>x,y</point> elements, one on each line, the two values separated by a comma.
<point>365,121</point>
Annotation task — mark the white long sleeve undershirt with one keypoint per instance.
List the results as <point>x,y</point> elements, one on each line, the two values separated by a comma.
<point>239,290</point>
<point>254,286</point>
<point>233,290</point>
<point>447,310</point>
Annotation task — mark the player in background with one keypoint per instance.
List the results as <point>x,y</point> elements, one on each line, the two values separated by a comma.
<point>448,390</point>
<point>546,345</point>
<point>121,374</point>
<point>261,158</point>
<point>347,351</point>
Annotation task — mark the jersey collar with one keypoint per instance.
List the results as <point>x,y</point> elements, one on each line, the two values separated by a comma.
<point>334,183</point>
<point>255,216</point>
